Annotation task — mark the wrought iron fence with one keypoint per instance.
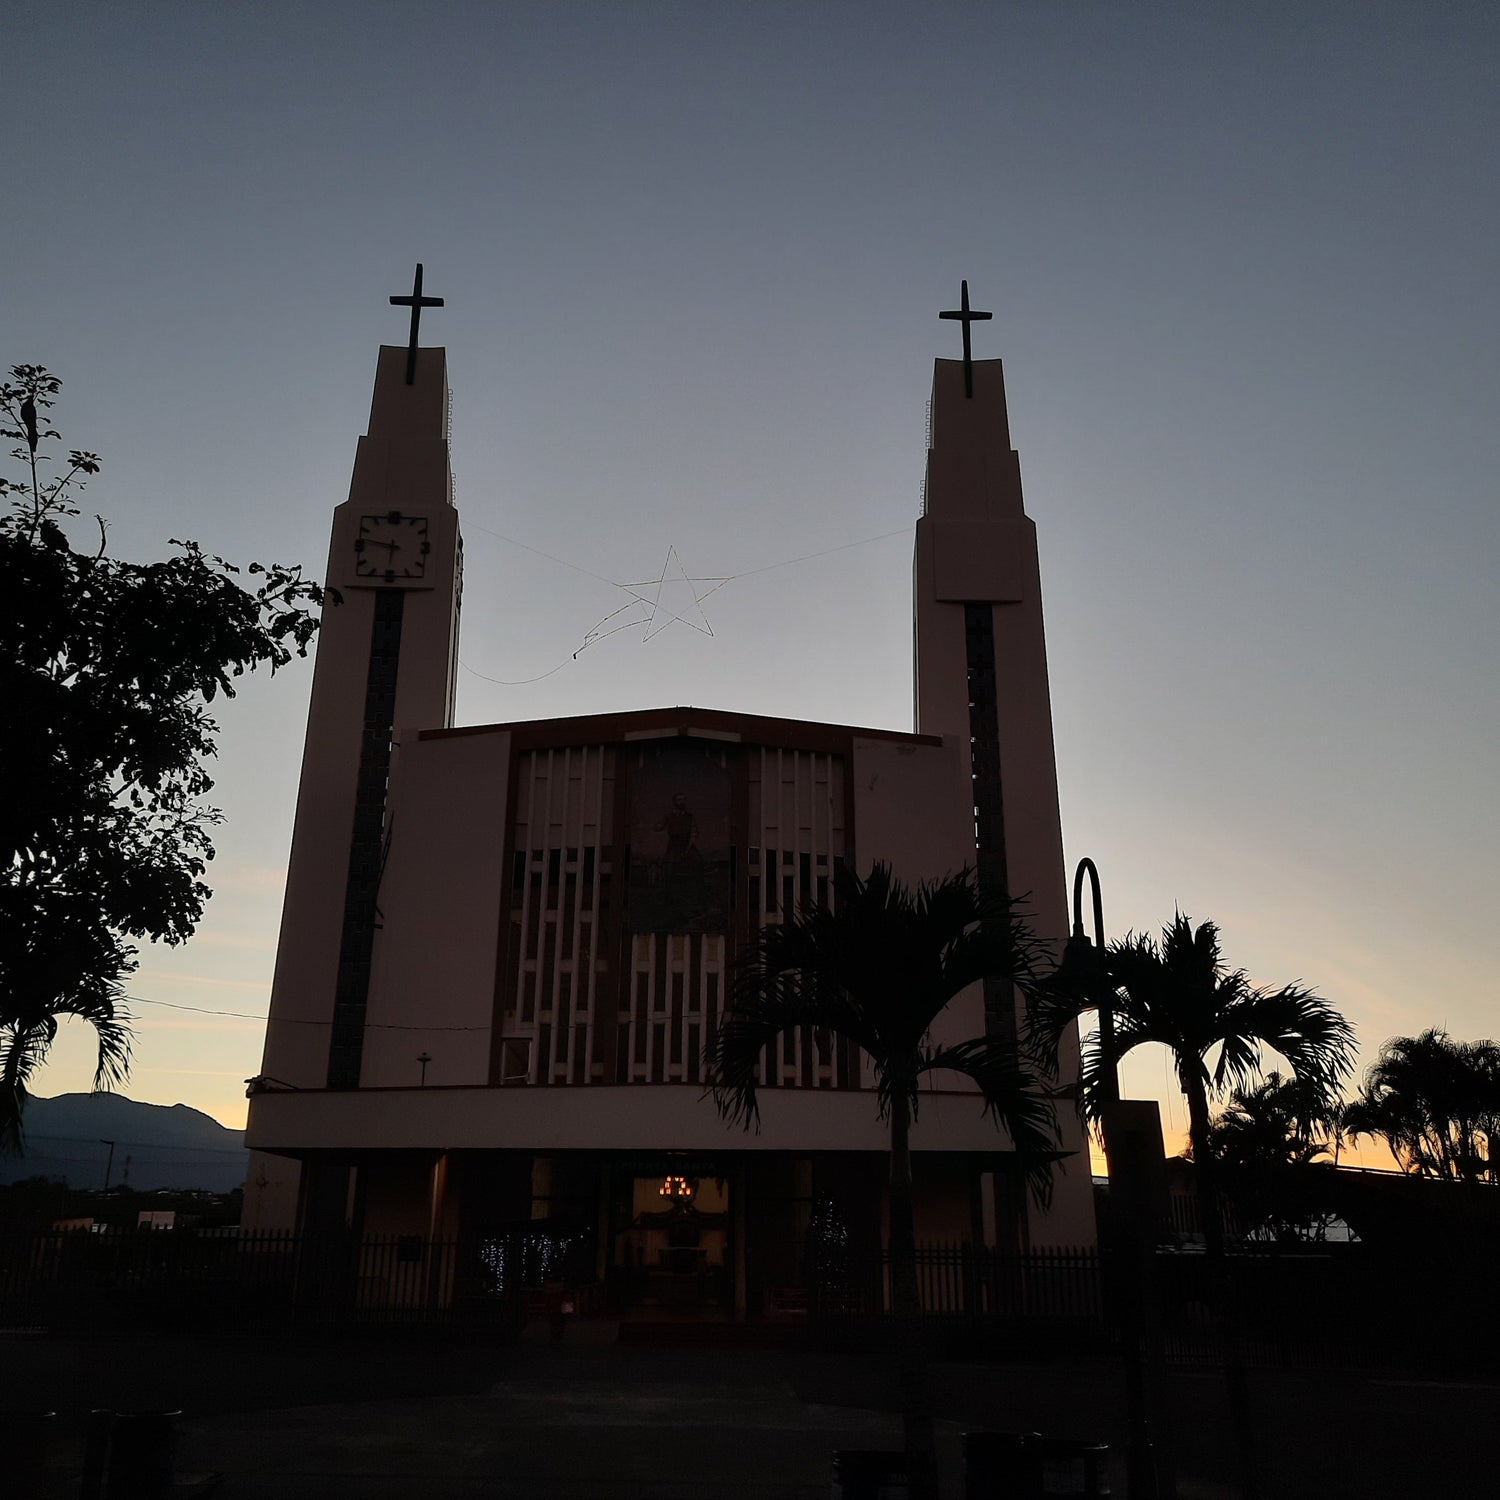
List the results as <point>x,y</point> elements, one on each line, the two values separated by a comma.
<point>1049,1285</point>
<point>78,1278</point>
<point>1316,1310</point>
<point>960,1280</point>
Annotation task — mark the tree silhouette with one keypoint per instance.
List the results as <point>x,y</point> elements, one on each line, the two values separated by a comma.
<point>1435,1102</point>
<point>106,671</point>
<point>877,968</point>
<point>1181,994</point>
<point>1267,1145</point>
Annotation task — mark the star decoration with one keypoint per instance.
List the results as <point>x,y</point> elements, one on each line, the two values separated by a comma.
<point>659,602</point>
<point>676,579</point>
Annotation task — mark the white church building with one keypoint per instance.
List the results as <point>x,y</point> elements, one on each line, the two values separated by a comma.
<point>505,947</point>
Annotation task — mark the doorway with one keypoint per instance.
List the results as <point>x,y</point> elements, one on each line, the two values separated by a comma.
<point>671,1247</point>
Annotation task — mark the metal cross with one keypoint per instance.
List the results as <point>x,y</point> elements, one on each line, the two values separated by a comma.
<point>964,316</point>
<point>417,302</point>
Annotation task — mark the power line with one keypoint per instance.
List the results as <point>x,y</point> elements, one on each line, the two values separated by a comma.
<point>827,552</point>
<point>241,1015</point>
<point>595,635</point>
<point>592,638</point>
<point>201,1010</point>
<point>39,1136</point>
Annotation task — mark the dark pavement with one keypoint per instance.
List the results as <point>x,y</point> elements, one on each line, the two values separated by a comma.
<point>593,1418</point>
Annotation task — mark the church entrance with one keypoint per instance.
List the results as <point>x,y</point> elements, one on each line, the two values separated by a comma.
<point>671,1245</point>
<point>677,1236</point>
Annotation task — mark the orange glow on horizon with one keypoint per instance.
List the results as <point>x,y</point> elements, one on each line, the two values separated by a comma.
<point>1370,1154</point>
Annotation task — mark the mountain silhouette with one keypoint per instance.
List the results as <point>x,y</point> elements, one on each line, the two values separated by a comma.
<point>156,1145</point>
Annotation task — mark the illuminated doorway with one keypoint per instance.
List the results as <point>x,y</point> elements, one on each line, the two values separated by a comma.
<point>672,1246</point>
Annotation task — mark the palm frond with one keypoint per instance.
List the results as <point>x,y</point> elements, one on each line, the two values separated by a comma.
<point>1304,1028</point>
<point>28,1033</point>
<point>23,1049</point>
<point>1435,1101</point>
<point>1013,1095</point>
<point>876,969</point>
<point>1177,992</point>
<point>1054,1008</point>
<point>768,1003</point>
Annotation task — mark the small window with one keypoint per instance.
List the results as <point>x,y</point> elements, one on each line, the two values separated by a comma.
<point>515,1059</point>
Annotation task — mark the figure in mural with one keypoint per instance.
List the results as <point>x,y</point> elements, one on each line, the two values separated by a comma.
<point>681,829</point>
<point>679,877</point>
<point>680,841</point>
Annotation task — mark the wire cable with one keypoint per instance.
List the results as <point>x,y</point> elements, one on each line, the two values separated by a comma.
<point>242,1015</point>
<point>595,634</point>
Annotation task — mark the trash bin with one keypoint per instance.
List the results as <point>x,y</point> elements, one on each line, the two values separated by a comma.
<point>1072,1469</point>
<point>26,1435</point>
<point>142,1455</point>
<point>95,1452</point>
<point>1002,1466</point>
<point>1028,1466</point>
<point>869,1474</point>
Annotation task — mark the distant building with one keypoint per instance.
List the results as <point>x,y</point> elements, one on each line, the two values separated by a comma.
<point>548,912</point>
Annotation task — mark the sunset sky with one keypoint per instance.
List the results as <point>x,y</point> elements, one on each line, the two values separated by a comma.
<point>1242,262</point>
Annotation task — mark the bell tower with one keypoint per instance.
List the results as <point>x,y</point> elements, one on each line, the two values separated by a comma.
<point>386,660</point>
<point>981,654</point>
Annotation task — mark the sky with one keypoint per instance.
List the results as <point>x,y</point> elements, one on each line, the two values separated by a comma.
<point>1242,262</point>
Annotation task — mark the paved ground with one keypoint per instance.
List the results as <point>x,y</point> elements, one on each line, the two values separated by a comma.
<point>593,1418</point>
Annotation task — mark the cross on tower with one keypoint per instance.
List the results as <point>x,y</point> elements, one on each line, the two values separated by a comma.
<point>964,316</point>
<point>417,302</point>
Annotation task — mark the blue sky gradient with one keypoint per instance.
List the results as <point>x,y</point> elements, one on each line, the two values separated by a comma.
<point>1242,262</point>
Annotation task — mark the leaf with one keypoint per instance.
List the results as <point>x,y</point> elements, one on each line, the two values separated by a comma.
<point>108,668</point>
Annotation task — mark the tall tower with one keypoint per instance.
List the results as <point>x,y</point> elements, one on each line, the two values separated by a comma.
<point>386,658</point>
<point>981,656</point>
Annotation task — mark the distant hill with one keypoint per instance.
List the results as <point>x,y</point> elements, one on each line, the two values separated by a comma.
<point>156,1145</point>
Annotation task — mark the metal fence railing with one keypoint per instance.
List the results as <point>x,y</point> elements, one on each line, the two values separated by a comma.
<point>960,1280</point>
<point>1292,1307</point>
<point>1282,1306</point>
<point>79,1278</point>
<point>965,1280</point>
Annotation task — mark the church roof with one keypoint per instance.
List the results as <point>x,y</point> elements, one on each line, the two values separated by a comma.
<point>685,720</point>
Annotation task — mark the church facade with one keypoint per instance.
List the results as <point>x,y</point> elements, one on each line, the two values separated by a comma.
<point>505,947</point>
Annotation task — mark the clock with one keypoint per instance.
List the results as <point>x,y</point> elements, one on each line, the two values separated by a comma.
<point>391,547</point>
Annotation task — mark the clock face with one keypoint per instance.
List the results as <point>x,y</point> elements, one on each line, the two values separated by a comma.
<point>391,547</point>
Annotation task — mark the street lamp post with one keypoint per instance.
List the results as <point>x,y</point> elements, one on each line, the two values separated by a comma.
<point>1083,969</point>
<point>109,1164</point>
<point>1088,963</point>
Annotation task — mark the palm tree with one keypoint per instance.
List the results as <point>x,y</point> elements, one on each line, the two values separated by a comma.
<point>1263,1145</point>
<point>1436,1103</point>
<point>50,983</point>
<point>877,968</point>
<point>56,961</point>
<point>1181,994</point>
